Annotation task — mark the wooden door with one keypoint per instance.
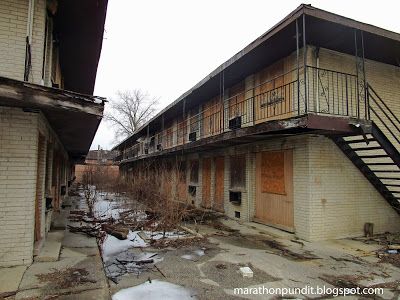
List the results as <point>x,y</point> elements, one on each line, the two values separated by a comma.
<point>237,105</point>
<point>274,189</point>
<point>182,186</point>
<point>206,183</point>
<point>212,117</point>
<point>219,184</point>
<point>39,187</point>
<point>273,94</point>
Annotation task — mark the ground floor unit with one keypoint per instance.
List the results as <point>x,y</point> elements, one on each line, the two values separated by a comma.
<point>36,172</point>
<point>302,184</point>
<point>41,138</point>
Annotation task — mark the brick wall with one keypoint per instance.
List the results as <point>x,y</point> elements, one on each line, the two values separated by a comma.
<point>332,199</point>
<point>341,199</point>
<point>19,132</point>
<point>18,166</point>
<point>13,27</point>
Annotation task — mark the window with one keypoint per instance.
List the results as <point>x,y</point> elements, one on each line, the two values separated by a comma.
<point>238,171</point>
<point>194,171</point>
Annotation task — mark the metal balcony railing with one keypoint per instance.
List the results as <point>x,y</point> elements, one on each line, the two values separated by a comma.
<point>288,95</point>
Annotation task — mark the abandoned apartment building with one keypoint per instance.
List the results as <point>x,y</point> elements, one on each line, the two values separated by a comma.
<point>97,161</point>
<point>299,131</point>
<point>48,116</point>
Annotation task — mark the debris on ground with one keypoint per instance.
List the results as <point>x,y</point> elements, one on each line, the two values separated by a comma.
<point>66,278</point>
<point>390,252</point>
<point>344,281</point>
<point>155,289</point>
<point>246,272</point>
<point>130,263</point>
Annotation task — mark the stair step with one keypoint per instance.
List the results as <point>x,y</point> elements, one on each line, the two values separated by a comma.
<point>374,156</point>
<point>368,148</point>
<point>392,184</point>
<point>389,178</point>
<point>386,171</point>
<point>360,141</point>
<point>380,164</point>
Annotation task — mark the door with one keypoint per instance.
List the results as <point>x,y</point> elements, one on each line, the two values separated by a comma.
<point>219,184</point>
<point>274,189</point>
<point>181,179</point>
<point>206,183</point>
<point>40,175</point>
<point>273,94</point>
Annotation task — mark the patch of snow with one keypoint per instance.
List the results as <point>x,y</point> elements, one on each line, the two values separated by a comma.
<point>189,257</point>
<point>199,252</point>
<point>154,291</point>
<point>156,235</point>
<point>195,256</point>
<point>112,246</point>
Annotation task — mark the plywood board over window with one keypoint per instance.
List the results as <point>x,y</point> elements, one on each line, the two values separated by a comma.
<point>274,189</point>
<point>273,173</point>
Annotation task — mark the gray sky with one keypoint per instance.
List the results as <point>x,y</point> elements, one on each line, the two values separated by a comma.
<point>166,47</point>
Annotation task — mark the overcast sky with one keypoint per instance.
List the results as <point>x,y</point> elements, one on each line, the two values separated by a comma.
<point>165,47</point>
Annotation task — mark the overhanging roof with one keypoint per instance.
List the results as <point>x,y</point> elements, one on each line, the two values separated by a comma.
<point>79,26</point>
<point>74,117</point>
<point>323,29</point>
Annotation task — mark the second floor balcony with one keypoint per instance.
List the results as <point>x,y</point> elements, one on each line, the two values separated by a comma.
<point>299,92</point>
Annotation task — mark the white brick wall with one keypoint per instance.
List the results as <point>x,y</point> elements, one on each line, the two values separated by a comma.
<point>18,155</point>
<point>18,169</point>
<point>341,198</point>
<point>332,199</point>
<point>13,24</point>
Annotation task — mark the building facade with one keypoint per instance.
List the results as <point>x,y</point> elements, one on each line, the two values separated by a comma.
<point>299,131</point>
<point>48,114</point>
<point>98,161</point>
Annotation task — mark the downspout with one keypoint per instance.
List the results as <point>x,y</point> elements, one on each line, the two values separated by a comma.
<point>29,30</point>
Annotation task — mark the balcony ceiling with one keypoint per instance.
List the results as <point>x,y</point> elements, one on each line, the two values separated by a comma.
<point>79,26</point>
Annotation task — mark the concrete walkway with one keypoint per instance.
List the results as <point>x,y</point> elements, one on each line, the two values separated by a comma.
<point>69,266</point>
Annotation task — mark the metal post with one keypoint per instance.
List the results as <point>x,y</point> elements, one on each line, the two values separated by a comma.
<point>298,66</point>
<point>305,64</point>
<point>360,69</point>
<point>366,108</point>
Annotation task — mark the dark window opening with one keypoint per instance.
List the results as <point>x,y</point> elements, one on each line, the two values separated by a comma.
<point>194,171</point>
<point>238,171</point>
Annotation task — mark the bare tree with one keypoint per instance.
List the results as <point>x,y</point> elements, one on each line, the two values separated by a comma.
<point>130,110</point>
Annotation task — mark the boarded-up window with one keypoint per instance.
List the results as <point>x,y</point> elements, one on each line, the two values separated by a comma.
<point>273,173</point>
<point>194,171</point>
<point>238,171</point>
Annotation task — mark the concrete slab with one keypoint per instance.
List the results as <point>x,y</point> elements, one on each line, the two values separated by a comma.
<point>60,220</point>
<point>56,235</point>
<point>10,278</point>
<point>98,294</point>
<point>49,252</point>
<point>76,240</point>
<point>78,252</point>
<point>68,275</point>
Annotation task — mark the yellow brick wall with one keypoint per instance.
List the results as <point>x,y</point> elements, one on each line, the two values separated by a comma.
<point>13,31</point>
<point>19,133</point>
<point>18,163</point>
<point>341,199</point>
<point>332,199</point>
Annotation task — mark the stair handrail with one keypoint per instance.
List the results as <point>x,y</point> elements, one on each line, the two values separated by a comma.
<point>390,116</point>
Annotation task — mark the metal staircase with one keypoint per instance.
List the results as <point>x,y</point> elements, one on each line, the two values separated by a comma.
<point>375,151</point>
